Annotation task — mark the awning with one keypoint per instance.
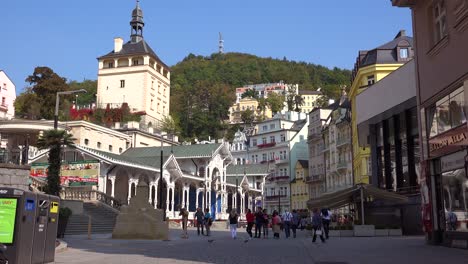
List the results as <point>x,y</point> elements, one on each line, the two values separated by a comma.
<point>352,194</point>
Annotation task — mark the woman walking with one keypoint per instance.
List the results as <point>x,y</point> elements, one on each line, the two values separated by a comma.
<point>250,222</point>
<point>276,222</point>
<point>184,214</point>
<point>233,220</point>
<point>317,225</point>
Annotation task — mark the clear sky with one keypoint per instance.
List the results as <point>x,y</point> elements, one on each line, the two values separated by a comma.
<point>68,35</point>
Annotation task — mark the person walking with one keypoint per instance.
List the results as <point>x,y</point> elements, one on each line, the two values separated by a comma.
<point>208,221</point>
<point>258,222</point>
<point>303,223</point>
<point>184,217</point>
<point>287,217</point>
<point>326,216</point>
<point>233,222</point>
<point>199,217</point>
<point>317,225</point>
<point>250,222</point>
<point>265,223</point>
<point>276,222</point>
<point>295,222</point>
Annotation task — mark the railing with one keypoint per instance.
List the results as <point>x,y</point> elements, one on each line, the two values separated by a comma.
<point>279,178</point>
<point>275,197</point>
<point>343,141</point>
<point>313,178</point>
<point>90,195</point>
<point>266,145</point>
<point>342,165</point>
<point>281,160</point>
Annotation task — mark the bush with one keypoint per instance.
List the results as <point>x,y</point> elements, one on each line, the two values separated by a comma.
<point>65,212</point>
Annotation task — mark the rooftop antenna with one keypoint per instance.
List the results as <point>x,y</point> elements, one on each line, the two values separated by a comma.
<point>221,43</point>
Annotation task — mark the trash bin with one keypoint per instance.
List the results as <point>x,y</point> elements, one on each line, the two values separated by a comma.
<point>27,224</point>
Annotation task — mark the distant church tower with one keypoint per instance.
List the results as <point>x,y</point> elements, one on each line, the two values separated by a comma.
<point>221,44</point>
<point>132,73</point>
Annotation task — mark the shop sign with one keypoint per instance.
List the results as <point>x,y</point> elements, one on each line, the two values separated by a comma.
<point>86,171</point>
<point>453,161</point>
<point>449,141</point>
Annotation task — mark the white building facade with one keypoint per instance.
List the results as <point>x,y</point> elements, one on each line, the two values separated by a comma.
<point>7,96</point>
<point>132,73</point>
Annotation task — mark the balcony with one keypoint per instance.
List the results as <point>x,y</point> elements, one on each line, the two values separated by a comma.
<point>315,136</point>
<point>275,197</point>
<point>342,165</point>
<point>278,178</point>
<point>4,107</point>
<point>326,148</point>
<point>281,160</point>
<point>343,142</point>
<point>266,145</point>
<point>314,178</point>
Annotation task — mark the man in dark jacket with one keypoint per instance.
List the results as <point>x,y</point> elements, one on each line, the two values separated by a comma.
<point>258,222</point>
<point>200,218</point>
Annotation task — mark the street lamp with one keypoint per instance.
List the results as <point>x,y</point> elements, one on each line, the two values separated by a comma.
<point>57,100</point>
<point>160,187</point>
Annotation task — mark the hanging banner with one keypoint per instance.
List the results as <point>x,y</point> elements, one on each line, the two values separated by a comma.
<point>71,173</point>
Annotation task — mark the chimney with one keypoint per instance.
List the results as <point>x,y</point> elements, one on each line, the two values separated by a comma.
<point>118,43</point>
<point>401,33</point>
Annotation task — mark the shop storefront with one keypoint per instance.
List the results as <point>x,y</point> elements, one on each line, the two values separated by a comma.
<point>445,180</point>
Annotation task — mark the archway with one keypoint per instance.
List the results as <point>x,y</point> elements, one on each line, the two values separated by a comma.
<point>121,186</point>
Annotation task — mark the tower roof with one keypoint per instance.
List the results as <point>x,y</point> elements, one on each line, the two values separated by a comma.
<point>137,13</point>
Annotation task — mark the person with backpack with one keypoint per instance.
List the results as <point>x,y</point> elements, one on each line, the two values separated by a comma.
<point>326,219</point>
<point>233,222</point>
<point>295,221</point>
<point>208,222</point>
<point>250,222</point>
<point>287,218</point>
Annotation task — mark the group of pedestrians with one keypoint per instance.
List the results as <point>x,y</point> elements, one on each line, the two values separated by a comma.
<point>260,220</point>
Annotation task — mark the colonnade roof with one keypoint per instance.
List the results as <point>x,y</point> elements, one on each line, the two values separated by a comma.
<point>249,169</point>
<point>181,151</point>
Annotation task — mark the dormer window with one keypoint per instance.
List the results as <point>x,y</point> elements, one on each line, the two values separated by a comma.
<point>136,62</point>
<point>370,80</point>
<point>403,53</point>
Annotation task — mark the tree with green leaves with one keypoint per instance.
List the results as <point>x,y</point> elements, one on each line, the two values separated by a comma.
<point>262,106</point>
<point>275,102</point>
<point>87,98</point>
<point>169,126</point>
<point>45,84</point>
<point>298,101</point>
<point>290,97</point>
<point>248,116</point>
<point>250,93</point>
<point>54,140</point>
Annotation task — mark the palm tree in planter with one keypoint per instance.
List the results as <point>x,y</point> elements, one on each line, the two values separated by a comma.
<point>54,140</point>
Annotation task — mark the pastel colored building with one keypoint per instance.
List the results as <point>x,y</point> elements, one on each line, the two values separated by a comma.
<point>299,188</point>
<point>7,96</point>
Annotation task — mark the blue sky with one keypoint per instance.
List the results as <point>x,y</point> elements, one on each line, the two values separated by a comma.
<point>68,36</point>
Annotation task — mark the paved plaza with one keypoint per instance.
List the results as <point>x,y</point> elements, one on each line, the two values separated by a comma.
<point>220,248</point>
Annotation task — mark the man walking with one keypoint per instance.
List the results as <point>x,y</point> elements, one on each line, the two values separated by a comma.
<point>287,217</point>
<point>199,217</point>
<point>258,222</point>
<point>295,222</point>
<point>250,222</point>
<point>326,218</point>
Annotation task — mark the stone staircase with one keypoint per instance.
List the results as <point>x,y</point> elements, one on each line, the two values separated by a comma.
<point>102,220</point>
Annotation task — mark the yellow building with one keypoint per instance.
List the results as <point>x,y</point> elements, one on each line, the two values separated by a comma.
<point>236,110</point>
<point>299,187</point>
<point>370,67</point>
<point>310,99</point>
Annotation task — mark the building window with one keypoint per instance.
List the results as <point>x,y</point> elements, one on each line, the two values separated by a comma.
<point>265,128</point>
<point>447,113</point>
<point>272,126</point>
<point>152,85</point>
<point>136,62</point>
<point>283,138</point>
<point>264,157</point>
<point>370,80</point>
<point>110,148</point>
<point>254,142</point>
<point>99,145</point>
<point>110,65</point>
<point>272,139</point>
<point>3,101</point>
<point>264,140</point>
<point>439,20</point>
<point>120,150</point>
<point>403,53</point>
<point>122,83</point>
<point>86,141</point>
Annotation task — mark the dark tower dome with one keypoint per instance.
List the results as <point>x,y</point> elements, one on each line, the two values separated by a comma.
<point>137,24</point>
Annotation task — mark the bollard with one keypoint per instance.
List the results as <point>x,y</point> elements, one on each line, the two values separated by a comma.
<point>89,227</point>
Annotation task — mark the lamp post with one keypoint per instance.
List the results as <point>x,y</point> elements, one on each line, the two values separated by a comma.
<point>160,199</point>
<point>57,100</point>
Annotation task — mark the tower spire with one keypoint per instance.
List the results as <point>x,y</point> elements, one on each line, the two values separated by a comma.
<point>137,24</point>
<point>221,44</point>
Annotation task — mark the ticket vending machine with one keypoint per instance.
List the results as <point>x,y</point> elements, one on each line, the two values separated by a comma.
<point>28,225</point>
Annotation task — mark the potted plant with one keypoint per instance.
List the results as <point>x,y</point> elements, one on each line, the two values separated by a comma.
<point>64,215</point>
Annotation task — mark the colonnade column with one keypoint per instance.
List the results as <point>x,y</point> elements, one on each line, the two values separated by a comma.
<point>112,179</point>
<point>156,195</point>
<point>197,202</point>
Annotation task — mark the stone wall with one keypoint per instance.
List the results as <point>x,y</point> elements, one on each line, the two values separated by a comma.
<point>14,176</point>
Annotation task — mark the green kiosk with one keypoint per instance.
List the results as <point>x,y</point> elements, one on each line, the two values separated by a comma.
<point>28,225</point>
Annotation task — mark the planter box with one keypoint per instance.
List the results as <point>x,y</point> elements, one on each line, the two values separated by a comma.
<point>395,232</point>
<point>381,232</point>
<point>346,233</point>
<point>334,233</point>
<point>364,230</point>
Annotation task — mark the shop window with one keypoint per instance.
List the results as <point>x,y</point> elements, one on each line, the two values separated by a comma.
<point>455,196</point>
<point>446,114</point>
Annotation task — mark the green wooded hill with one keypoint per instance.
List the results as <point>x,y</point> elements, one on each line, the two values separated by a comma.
<point>203,88</point>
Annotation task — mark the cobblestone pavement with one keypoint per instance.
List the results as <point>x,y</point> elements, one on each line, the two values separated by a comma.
<point>220,248</point>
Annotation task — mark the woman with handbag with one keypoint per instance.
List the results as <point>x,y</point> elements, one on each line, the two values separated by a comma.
<point>317,225</point>
<point>276,222</point>
<point>233,222</point>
